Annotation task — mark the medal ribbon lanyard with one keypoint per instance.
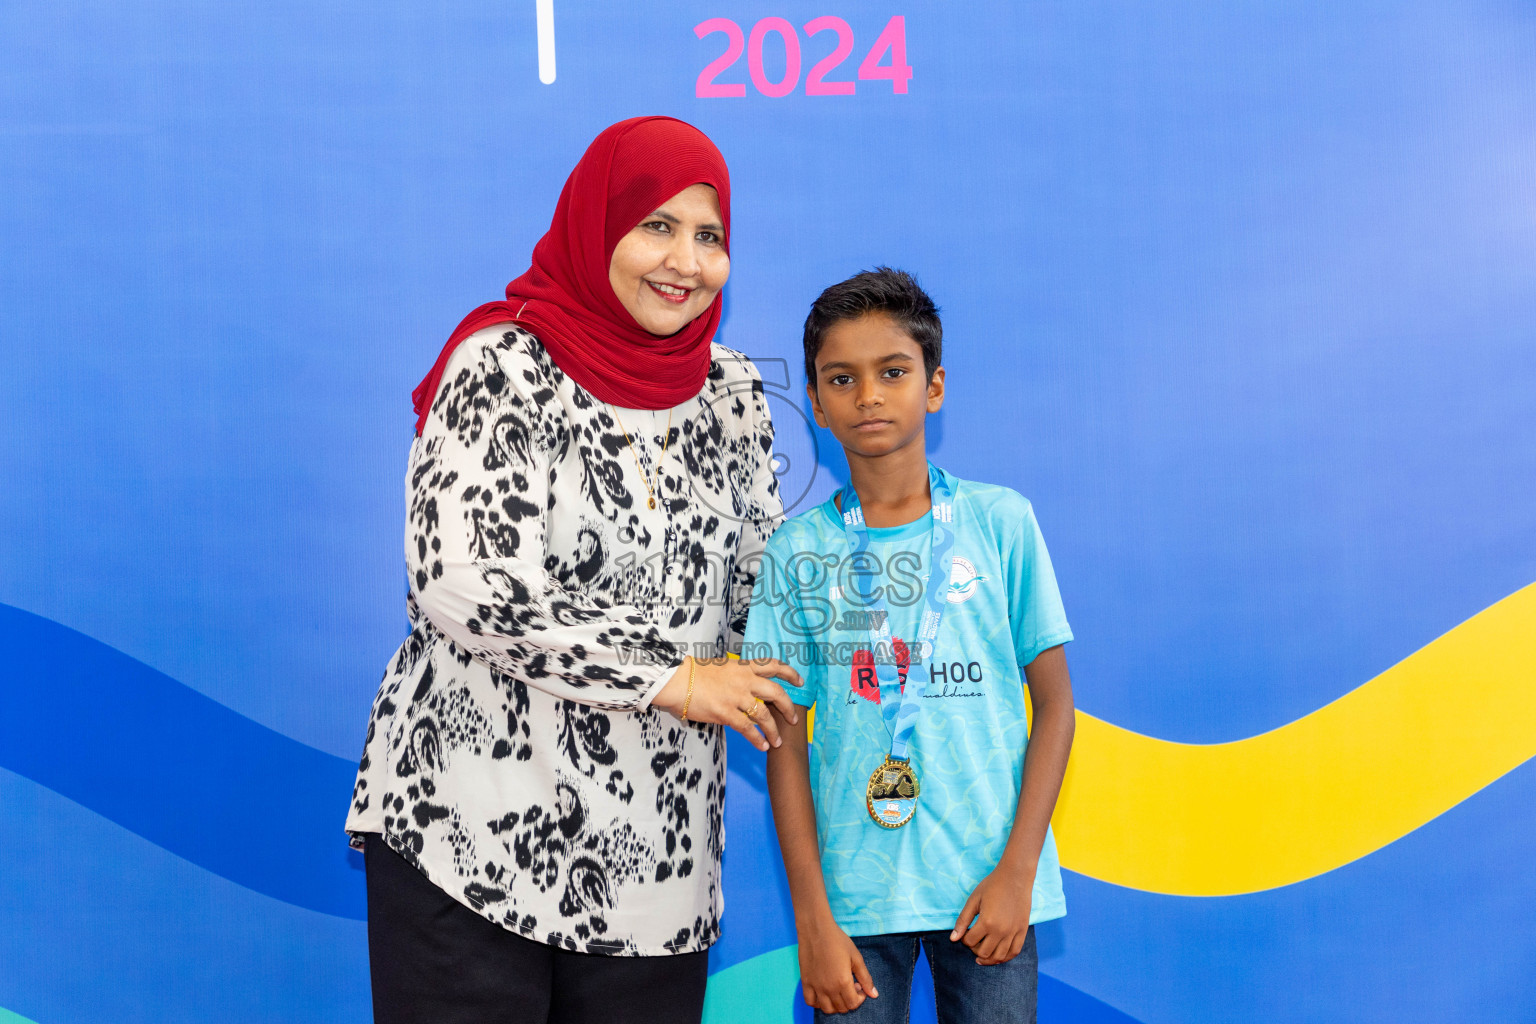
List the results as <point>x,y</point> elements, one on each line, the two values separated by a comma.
<point>899,706</point>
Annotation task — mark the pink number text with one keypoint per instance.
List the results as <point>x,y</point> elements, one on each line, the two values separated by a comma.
<point>886,60</point>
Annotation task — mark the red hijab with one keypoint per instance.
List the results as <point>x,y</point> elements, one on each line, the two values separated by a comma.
<point>565,298</point>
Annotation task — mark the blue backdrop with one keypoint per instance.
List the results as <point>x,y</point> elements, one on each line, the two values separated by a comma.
<point>1243,297</point>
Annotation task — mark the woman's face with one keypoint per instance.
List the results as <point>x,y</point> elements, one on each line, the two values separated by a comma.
<point>671,265</point>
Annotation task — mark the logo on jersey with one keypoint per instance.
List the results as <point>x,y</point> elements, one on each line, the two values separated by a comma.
<point>963,580</point>
<point>865,683</point>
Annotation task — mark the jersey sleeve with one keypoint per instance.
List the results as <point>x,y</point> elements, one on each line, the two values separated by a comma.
<point>1035,613</point>
<point>782,621</point>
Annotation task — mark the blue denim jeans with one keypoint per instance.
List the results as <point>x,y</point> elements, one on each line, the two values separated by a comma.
<point>965,992</point>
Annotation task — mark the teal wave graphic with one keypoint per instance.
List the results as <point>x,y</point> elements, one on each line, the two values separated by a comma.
<point>175,767</point>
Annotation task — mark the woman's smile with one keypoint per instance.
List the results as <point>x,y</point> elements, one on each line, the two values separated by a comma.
<point>673,293</point>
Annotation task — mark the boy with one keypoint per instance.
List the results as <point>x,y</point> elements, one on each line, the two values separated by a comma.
<point>910,602</point>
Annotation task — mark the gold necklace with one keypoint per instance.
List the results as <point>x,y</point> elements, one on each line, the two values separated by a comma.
<point>650,489</point>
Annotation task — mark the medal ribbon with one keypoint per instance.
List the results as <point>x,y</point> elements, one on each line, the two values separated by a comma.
<point>899,706</point>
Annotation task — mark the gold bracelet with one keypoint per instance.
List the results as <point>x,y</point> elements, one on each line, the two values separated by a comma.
<point>688,698</point>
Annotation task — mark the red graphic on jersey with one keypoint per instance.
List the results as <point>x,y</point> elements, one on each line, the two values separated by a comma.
<point>865,683</point>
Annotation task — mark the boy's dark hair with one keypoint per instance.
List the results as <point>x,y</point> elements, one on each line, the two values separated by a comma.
<point>895,293</point>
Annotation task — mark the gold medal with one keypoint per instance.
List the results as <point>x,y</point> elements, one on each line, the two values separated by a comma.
<point>891,796</point>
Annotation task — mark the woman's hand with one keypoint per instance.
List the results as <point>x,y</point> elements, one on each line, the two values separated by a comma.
<point>734,693</point>
<point>832,971</point>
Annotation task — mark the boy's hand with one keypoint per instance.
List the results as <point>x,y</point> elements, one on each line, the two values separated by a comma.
<point>832,971</point>
<point>995,921</point>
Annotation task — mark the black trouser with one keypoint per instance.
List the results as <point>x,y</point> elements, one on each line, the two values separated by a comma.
<point>435,961</point>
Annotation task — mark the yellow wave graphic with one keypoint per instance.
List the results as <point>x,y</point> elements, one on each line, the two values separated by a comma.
<point>1349,778</point>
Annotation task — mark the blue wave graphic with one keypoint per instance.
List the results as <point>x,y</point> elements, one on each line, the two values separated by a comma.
<point>174,944</point>
<point>104,927</point>
<point>209,785</point>
<point>1059,1001</point>
<point>175,767</point>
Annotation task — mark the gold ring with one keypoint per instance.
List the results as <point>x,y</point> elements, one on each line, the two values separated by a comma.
<point>752,714</point>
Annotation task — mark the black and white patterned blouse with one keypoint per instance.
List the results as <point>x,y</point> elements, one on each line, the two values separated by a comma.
<point>512,754</point>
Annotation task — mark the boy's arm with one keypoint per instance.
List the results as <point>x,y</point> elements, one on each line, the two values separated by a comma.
<point>832,972</point>
<point>995,921</point>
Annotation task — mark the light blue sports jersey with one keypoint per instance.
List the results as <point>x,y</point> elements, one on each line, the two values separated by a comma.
<point>968,746</point>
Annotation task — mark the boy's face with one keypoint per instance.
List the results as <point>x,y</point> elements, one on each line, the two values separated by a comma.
<point>870,389</point>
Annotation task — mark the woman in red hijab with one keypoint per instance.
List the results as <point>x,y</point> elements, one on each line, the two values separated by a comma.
<point>540,798</point>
